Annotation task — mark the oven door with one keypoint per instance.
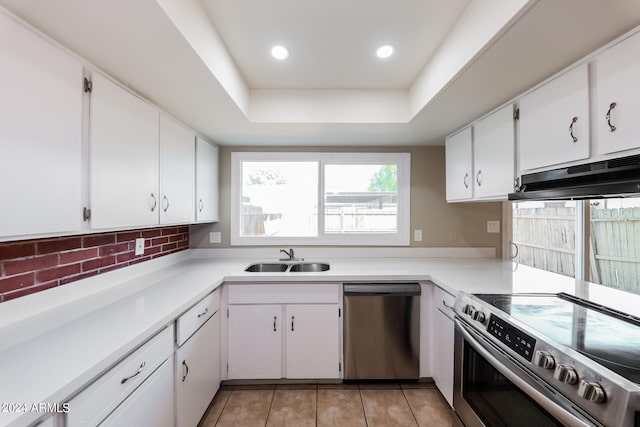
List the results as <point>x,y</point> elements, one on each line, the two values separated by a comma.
<point>493,389</point>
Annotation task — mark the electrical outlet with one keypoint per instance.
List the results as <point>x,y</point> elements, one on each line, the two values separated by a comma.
<point>139,247</point>
<point>453,236</point>
<point>417,235</point>
<point>493,226</point>
<point>215,237</point>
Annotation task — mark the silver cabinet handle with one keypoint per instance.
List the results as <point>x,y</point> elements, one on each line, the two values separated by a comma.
<point>200,205</point>
<point>166,203</point>
<point>155,202</point>
<point>447,305</point>
<point>292,319</point>
<point>464,181</point>
<point>575,119</point>
<point>478,176</point>
<point>125,379</point>
<point>275,318</point>
<point>206,310</point>
<point>612,128</point>
<point>186,370</point>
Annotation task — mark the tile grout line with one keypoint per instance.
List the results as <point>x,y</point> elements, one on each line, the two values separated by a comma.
<point>223,408</point>
<point>364,412</point>
<point>273,394</point>
<point>409,405</point>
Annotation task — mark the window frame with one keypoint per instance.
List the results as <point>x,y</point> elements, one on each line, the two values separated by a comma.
<point>401,238</point>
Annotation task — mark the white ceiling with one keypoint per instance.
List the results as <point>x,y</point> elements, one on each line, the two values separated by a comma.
<point>332,43</point>
<point>171,52</point>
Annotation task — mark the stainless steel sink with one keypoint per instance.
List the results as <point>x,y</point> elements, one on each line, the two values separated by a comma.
<point>309,267</point>
<point>266,268</point>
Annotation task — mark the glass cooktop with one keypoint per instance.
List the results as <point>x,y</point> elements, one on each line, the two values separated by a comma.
<point>607,338</point>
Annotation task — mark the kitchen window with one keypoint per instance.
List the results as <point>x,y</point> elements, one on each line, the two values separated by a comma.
<point>595,240</point>
<point>320,198</point>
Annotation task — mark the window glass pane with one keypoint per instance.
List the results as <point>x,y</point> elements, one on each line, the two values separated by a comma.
<point>279,199</point>
<point>614,247</point>
<point>545,233</point>
<point>361,199</point>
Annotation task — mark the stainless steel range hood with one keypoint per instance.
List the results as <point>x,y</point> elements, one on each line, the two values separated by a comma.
<point>608,178</point>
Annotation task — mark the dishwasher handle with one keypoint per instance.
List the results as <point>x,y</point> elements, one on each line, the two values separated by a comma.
<point>373,289</point>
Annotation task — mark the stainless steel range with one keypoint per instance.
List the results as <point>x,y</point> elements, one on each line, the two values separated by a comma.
<point>545,360</point>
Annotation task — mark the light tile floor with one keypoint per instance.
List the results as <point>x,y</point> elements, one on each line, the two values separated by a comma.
<point>301,405</point>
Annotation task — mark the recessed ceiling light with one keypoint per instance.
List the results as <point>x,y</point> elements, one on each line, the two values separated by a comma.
<point>279,52</point>
<point>384,51</point>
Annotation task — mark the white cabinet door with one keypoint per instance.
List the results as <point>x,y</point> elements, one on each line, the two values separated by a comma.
<point>494,155</point>
<point>40,135</point>
<point>443,361</point>
<point>206,181</point>
<point>255,341</point>
<point>150,405</point>
<point>616,70</point>
<point>124,158</point>
<point>198,373</point>
<point>458,151</point>
<point>554,121</point>
<point>312,341</point>
<point>177,172</point>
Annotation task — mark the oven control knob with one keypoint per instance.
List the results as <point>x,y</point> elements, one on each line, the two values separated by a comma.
<point>544,359</point>
<point>592,391</point>
<point>479,316</point>
<point>469,309</point>
<point>566,374</point>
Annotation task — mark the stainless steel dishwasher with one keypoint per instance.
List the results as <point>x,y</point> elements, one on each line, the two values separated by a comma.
<point>381,331</point>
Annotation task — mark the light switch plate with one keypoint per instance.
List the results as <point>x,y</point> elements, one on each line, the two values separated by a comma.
<point>417,235</point>
<point>139,246</point>
<point>493,226</point>
<point>215,237</point>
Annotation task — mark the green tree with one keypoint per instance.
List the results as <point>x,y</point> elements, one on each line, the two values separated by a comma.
<point>385,179</point>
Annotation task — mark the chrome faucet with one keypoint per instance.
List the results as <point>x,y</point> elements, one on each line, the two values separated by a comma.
<point>290,255</point>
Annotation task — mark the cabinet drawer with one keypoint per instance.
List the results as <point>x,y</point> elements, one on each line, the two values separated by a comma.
<point>310,293</point>
<point>190,321</point>
<point>444,302</point>
<point>95,402</point>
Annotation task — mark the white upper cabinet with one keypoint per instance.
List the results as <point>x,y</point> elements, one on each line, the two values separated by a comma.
<point>177,172</point>
<point>494,155</point>
<point>554,121</point>
<point>459,164</point>
<point>124,158</point>
<point>206,181</point>
<point>40,135</point>
<point>616,99</point>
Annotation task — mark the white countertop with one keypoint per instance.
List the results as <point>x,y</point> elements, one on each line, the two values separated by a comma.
<point>54,342</point>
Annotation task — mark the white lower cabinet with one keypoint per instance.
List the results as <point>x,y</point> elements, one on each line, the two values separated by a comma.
<point>115,387</point>
<point>197,373</point>
<point>150,405</point>
<point>443,335</point>
<point>297,340</point>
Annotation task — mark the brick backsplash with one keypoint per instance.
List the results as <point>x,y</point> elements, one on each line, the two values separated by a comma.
<point>31,266</point>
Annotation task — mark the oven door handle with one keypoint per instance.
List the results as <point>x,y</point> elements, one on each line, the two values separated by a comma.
<point>552,407</point>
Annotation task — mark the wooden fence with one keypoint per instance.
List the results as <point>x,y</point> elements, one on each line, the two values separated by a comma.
<point>546,240</point>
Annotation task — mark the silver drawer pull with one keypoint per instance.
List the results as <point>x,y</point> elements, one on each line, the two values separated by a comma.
<point>125,379</point>
<point>292,326</point>
<point>206,310</point>
<point>447,305</point>
<point>275,319</point>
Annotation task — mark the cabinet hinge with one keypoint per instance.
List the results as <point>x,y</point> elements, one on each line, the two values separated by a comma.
<point>88,85</point>
<point>516,114</point>
<point>339,367</point>
<point>86,214</point>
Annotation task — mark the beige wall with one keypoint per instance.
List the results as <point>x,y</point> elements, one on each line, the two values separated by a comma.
<point>429,209</point>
